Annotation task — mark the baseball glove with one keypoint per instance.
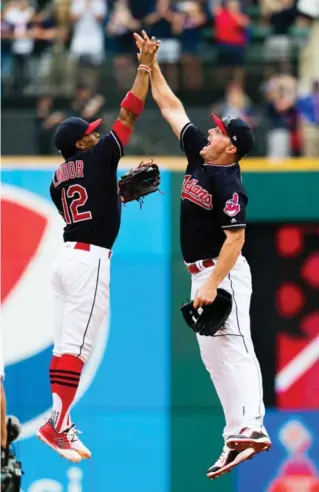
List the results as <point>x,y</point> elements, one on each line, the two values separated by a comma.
<point>139,182</point>
<point>207,320</point>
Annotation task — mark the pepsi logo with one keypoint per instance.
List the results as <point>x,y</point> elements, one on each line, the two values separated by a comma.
<point>31,232</point>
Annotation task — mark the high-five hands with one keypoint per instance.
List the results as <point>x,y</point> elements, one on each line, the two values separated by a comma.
<point>145,43</point>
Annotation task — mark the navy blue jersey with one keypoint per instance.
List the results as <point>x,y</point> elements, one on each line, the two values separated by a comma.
<point>84,189</point>
<point>213,199</point>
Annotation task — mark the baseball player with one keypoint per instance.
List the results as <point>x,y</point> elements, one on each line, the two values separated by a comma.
<point>85,191</point>
<point>213,221</point>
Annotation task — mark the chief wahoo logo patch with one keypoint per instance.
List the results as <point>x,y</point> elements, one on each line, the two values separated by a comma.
<point>232,206</point>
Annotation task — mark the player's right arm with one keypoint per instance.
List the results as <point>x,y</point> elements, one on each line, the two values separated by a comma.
<point>171,106</point>
<point>192,140</point>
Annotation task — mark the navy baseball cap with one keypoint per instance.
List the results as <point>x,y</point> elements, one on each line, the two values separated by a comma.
<point>70,131</point>
<point>238,131</point>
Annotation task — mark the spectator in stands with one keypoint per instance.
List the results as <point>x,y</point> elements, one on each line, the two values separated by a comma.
<point>191,21</point>
<point>87,44</point>
<point>6,54</point>
<point>86,104</point>
<point>280,16</point>
<point>19,15</point>
<point>280,93</point>
<point>308,18</point>
<point>212,5</point>
<point>231,32</point>
<point>120,27</point>
<point>160,22</point>
<point>46,121</point>
<point>236,104</point>
<point>61,76</point>
<point>308,108</point>
<point>44,32</point>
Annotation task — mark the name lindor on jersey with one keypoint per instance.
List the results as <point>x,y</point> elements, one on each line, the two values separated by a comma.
<point>68,170</point>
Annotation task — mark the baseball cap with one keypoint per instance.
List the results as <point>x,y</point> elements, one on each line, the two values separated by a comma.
<point>238,131</point>
<point>70,131</point>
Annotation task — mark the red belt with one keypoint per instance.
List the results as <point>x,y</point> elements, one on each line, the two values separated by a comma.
<point>193,268</point>
<point>86,247</point>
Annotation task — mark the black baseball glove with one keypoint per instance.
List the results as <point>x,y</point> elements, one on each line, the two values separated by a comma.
<point>207,320</point>
<point>139,182</point>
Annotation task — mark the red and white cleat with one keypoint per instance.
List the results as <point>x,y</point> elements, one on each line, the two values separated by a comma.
<point>58,441</point>
<point>77,444</point>
<point>248,438</point>
<point>227,461</point>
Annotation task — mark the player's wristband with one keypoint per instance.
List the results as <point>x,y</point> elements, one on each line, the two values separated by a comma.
<point>122,131</point>
<point>132,104</point>
<point>145,68</point>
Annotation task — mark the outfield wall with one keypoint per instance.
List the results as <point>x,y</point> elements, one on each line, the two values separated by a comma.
<point>146,405</point>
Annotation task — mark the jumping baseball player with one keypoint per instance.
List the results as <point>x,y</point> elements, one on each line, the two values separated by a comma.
<point>213,221</point>
<point>85,191</point>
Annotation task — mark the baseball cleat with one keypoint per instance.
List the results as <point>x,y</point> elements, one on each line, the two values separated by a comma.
<point>248,438</point>
<point>228,460</point>
<point>77,444</point>
<point>58,441</point>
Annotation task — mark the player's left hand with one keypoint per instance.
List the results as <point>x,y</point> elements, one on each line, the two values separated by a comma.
<point>205,295</point>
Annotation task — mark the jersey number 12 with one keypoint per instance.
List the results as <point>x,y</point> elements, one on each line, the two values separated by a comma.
<point>79,197</point>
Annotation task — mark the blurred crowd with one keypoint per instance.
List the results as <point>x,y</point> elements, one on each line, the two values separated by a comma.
<point>61,47</point>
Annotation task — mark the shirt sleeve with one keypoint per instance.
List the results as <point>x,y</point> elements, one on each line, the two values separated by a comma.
<point>231,206</point>
<point>192,141</point>
<point>109,150</point>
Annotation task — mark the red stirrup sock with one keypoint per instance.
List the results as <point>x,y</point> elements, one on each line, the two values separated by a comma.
<point>53,365</point>
<point>66,382</point>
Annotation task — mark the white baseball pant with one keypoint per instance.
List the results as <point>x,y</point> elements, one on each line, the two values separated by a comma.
<point>81,290</point>
<point>229,356</point>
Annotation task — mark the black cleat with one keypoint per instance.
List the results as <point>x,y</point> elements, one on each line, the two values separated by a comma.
<point>228,460</point>
<point>248,438</point>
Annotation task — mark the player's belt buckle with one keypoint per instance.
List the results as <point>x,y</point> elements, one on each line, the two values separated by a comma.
<point>195,268</point>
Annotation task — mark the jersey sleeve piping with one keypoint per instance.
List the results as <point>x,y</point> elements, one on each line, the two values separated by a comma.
<point>183,131</point>
<point>118,142</point>
<point>233,226</point>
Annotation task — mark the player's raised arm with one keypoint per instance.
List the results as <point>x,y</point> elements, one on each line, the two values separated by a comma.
<point>133,103</point>
<point>171,107</point>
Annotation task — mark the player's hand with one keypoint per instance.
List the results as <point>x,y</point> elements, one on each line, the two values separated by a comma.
<point>146,47</point>
<point>205,295</point>
<point>139,44</point>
